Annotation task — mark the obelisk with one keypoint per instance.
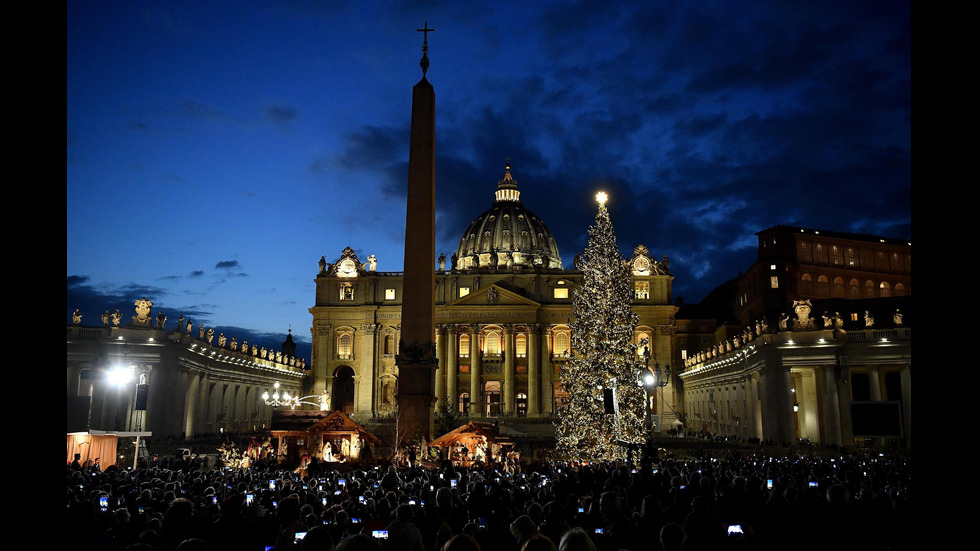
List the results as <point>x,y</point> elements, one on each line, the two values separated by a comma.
<point>416,359</point>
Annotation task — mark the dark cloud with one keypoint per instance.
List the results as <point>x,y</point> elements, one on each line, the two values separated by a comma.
<point>196,110</point>
<point>196,273</point>
<point>227,265</point>
<point>280,115</point>
<point>372,147</point>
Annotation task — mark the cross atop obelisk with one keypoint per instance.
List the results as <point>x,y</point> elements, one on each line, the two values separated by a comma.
<point>425,30</point>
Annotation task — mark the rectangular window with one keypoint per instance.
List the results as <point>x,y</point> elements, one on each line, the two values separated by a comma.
<point>774,282</point>
<point>561,292</point>
<point>389,294</point>
<point>642,290</point>
<point>346,291</point>
<point>463,291</point>
<point>464,369</point>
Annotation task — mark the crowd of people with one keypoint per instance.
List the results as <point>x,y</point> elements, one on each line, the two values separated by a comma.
<point>733,502</point>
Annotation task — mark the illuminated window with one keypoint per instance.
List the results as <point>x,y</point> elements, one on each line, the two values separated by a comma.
<point>772,267</point>
<point>642,289</point>
<point>823,287</point>
<point>838,289</point>
<point>836,255</point>
<point>464,403</point>
<point>643,341</point>
<point>806,285</point>
<point>805,252</point>
<point>389,294</point>
<point>820,254</point>
<point>492,343</point>
<point>561,292</point>
<point>464,346</point>
<point>561,343</point>
<point>854,316</point>
<point>464,369</point>
<point>774,282</point>
<point>521,405</point>
<point>520,345</point>
<point>884,290</point>
<point>463,291</point>
<point>346,291</point>
<point>345,344</point>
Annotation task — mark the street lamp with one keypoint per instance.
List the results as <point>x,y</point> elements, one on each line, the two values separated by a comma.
<point>284,399</point>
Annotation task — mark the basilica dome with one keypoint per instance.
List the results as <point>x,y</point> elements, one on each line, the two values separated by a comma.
<point>507,237</point>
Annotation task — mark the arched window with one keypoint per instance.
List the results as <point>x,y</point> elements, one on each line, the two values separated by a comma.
<point>345,344</point>
<point>521,405</point>
<point>389,346</point>
<point>464,346</point>
<point>492,343</point>
<point>869,289</point>
<point>837,291</point>
<point>884,290</point>
<point>561,344</point>
<point>806,285</point>
<point>520,345</point>
<point>823,287</point>
<point>854,289</point>
<point>899,290</point>
<point>643,340</point>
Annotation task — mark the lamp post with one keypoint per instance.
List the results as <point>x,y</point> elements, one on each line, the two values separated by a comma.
<point>653,378</point>
<point>285,400</point>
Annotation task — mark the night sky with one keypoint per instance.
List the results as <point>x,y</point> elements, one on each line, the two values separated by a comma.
<point>217,149</point>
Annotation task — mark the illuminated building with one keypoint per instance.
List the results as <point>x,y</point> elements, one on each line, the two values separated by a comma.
<point>813,341</point>
<point>503,307</point>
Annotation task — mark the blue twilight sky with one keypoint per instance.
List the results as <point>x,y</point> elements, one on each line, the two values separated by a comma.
<point>217,149</point>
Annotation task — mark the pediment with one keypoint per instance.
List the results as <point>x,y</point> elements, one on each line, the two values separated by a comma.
<point>493,296</point>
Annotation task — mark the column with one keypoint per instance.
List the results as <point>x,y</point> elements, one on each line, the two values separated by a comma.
<point>509,369</point>
<point>808,406</point>
<point>451,368</point>
<point>322,353</point>
<point>192,388</point>
<point>547,400</point>
<point>875,381</point>
<point>364,372</point>
<point>440,366</point>
<point>831,407</point>
<point>476,394</point>
<point>533,370</point>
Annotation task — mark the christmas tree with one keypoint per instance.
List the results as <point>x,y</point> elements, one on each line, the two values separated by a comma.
<point>603,354</point>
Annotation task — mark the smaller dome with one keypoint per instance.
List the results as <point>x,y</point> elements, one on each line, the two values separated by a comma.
<point>507,236</point>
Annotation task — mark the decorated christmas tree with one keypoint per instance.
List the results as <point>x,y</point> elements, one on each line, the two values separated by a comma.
<point>603,354</point>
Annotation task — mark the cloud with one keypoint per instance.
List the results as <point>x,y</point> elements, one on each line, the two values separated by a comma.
<point>280,115</point>
<point>227,265</point>
<point>196,110</point>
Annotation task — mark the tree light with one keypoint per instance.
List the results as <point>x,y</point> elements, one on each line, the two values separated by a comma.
<point>601,197</point>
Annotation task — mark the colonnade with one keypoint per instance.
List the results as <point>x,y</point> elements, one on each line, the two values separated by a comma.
<point>537,361</point>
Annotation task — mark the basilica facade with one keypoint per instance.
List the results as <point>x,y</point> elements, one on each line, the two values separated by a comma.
<point>503,314</point>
